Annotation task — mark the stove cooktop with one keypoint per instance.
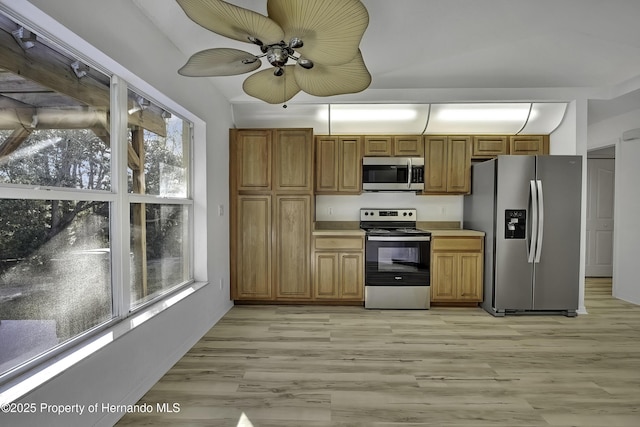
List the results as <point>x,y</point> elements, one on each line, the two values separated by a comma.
<point>395,231</point>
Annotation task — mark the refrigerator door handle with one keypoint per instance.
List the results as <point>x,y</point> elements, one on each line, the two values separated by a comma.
<point>533,202</point>
<point>540,220</point>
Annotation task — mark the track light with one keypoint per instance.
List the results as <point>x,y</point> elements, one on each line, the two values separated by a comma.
<point>76,69</point>
<point>25,38</point>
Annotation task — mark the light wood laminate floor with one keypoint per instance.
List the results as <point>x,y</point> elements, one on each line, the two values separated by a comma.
<point>316,366</point>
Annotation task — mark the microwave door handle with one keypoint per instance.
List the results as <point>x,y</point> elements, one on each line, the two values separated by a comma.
<point>409,174</point>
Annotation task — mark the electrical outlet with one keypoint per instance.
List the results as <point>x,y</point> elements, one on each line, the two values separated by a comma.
<point>221,283</point>
<point>330,211</point>
<point>220,210</point>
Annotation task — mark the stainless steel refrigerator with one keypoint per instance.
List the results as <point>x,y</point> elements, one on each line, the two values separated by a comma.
<point>530,209</point>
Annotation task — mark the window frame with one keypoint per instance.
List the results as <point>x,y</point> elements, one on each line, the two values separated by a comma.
<point>13,383</point>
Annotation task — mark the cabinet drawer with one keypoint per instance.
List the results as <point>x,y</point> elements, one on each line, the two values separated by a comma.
<point>456,244</point>
<point>339,243</point>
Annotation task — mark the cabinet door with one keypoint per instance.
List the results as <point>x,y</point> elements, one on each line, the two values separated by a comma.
<point>528,144</point>
<point>293,160</point>
<point>377,146</point>
<point>351,276</point>
<point>470,277</point>
<point>252,159</point>
<point>408,145</point>
<point>350,165</point>
<point>459,164</point>
<point>292,248</point>
<point>327,160</point>
<point>443,276</point>
<point>326,276</point>
<point>488,146</point>
<point>435,164</point>
<point>253,248</point>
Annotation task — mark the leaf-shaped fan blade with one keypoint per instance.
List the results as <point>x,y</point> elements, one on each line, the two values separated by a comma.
<point>220,62</point>
<point>232,21</point>
<point>272,89</point>
<point>328,80</point>
<point>331,30</point>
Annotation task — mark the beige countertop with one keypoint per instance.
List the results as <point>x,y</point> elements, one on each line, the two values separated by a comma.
<point>434,232</point>
<point>338,232</point>
<point>456,233</point>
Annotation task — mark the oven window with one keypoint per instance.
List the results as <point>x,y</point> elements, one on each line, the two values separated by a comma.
<point>398,259</point>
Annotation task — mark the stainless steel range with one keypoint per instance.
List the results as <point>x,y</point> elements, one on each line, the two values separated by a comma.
<point>397,260</point>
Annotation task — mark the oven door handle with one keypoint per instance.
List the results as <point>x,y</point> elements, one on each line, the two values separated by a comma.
<point>399,238</point>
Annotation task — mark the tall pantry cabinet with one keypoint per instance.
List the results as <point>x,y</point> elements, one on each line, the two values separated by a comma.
<point>271,195</point>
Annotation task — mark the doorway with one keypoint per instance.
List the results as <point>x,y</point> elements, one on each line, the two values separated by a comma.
<point>600,209</point>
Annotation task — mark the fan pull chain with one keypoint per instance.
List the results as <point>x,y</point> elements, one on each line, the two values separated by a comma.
<point>284,90</point>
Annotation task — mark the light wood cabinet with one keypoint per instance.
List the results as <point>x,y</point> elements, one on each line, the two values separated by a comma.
<point>252,251</point>
<point>457,269</point>
<point>489,146</point>
<point>408,145</point>
<point>292,246</point>
<point>293,160</point>
<point>529,144</point>
<point>378,145</point>
<point>447,165</point>
<point>271,204</point>
<point>393,145</point>
<point>338,268</point>
<point>251,154</point>
<point>338,164</point>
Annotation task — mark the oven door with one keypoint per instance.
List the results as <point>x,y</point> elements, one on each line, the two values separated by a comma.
<point>398,260</point>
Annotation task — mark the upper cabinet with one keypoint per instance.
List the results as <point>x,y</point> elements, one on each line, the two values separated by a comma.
<point>293,160</point>
<point>251,158</point>
<point>447,165</point>
<point>393,145</point>
<point>488,146</point>
<point>529,144</point>
<point>338,164</point>
<point>272,160</point>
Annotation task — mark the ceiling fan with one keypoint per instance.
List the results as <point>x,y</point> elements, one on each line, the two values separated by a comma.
<point>320,38</point>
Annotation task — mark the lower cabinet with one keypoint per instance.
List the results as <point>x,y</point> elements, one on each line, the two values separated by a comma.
<point>457,269</point>
<point>338,268</point>
<point>251,248</point>
<point>271,247</point>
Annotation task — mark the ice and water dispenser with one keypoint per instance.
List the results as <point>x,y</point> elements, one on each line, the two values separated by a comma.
<point>515,224</point>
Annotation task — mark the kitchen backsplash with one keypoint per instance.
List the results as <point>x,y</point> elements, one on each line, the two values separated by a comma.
<point>430,208</point>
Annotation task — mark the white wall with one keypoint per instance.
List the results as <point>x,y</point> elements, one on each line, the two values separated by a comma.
<point>626,236</point>
<point>430,208</point>
<point>626,214</point>
<point>123,371</point>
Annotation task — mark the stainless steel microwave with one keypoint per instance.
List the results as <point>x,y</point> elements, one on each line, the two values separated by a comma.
<point>393,174</point>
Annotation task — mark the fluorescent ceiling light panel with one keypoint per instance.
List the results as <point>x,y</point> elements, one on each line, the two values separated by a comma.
<point>482,112</point>
<point>383,119</point>
<point>348,113</point>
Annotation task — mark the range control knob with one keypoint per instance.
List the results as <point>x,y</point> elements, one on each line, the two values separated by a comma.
<point>410,213</point>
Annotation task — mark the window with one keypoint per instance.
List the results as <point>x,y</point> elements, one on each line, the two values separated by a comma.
<point>158,172</point>
<point>64,197</point>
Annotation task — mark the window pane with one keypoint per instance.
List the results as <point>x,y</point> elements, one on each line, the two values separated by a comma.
<point>159,241</point>
<point>54,274</point>
<point>49,138</point>
<point>161,140</point>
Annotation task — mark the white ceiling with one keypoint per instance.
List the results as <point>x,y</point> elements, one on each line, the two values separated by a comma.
<point>465,45</point>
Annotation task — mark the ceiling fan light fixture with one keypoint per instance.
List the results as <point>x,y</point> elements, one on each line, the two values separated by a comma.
<point>295,43</point>
<point>329,57</point>
<point>305,63</point>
